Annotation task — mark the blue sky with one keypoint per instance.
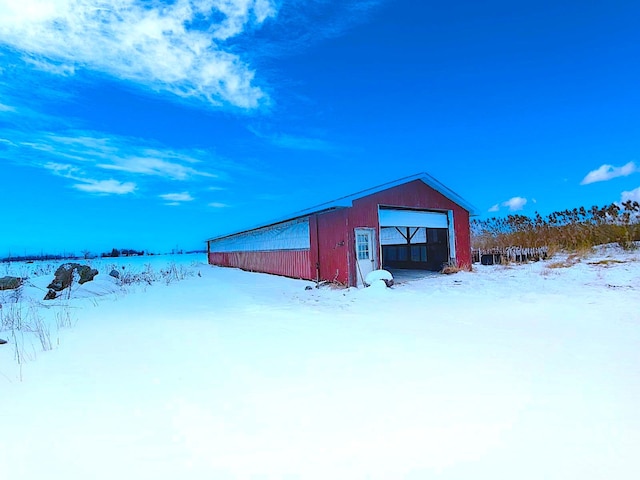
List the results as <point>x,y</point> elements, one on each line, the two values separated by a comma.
<point>155,125</point>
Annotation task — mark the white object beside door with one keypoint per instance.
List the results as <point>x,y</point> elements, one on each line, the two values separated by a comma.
<point>365,253</point>
<point>452,238</point>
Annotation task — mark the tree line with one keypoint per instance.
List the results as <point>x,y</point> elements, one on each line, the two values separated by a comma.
<point>575,229</point>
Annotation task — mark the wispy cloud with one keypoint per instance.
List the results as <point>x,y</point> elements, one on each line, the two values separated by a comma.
<point>89,185</point>
<point>61,69</point>
<point>513,204</point>
<point>301,143</point>
<point>63,169</point>
<point>180,47</point>
<point>105,186</point>
<point>218,205</point>
<point>177,197</point>
<point>301,23</point>
<point>91,160</point>
<point>6,108</point>
<point>154,166</point>
<point>97,151</point>
<point>608,172</point>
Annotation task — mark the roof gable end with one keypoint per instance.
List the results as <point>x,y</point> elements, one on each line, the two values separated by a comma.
<point>347,201</point>
<point>425,178</point>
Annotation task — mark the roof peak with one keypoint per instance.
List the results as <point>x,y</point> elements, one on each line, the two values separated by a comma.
<point>347,201</point>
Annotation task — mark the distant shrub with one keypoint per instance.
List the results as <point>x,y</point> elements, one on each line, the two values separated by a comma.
<point>124,252</point>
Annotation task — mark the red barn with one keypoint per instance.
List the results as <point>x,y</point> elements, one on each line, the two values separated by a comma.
<point>413,223</point>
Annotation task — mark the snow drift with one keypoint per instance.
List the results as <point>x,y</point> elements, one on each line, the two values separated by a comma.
<point>523,372</point>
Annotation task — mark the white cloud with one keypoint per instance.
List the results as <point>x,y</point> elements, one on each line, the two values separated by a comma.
<point>177,197</point>
<point>153,166</point>
<point>84,157</point>
<point>93,150</point>
<point>608,172</point>
<point>88,184</point>
<point>633,195</point>
<point>175,46</point>
<point>516,203</point>
<point>63,169</point>
<point>55,68</point>
<point>513,204</point>
<point>105,186</point>
<point>218,205</point>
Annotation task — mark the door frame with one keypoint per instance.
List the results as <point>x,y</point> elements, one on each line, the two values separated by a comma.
<point>450,226</point>
<point>373,252</point>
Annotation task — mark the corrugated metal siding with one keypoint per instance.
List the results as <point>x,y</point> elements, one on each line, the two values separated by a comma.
<point>463,238</point>
<point>314,234</point>
<point>292,235</point>
<point>290,263</point>
<point>334,246</point>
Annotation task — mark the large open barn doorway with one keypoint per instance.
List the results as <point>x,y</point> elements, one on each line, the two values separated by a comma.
<point>414,239</point>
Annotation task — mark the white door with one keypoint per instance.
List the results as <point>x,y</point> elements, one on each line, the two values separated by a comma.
<point>365,253</point>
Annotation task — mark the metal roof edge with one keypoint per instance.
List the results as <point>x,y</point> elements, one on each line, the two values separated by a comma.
<point>271,223</point>
<point>347,201</point>
<point>447,192</point>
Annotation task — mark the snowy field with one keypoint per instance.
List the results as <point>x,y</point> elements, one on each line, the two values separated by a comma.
<point>523,372</point>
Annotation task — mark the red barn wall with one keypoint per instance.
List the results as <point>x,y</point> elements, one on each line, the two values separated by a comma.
<point>333,240</point>
<point>290,263</point>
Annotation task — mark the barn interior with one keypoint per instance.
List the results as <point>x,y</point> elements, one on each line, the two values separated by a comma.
<point>414,248</point>
<point>414,240</point>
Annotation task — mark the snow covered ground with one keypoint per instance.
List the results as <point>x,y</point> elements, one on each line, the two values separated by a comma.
<point>523,372</point>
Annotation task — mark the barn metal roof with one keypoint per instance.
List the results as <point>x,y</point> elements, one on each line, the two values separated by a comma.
<point>347,201</point>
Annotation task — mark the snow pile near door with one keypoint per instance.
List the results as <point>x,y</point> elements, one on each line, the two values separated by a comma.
<point>381,277</point>
<point>523,372</point>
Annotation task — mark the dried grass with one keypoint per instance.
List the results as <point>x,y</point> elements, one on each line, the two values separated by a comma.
<point>568,262</point>
<point>570,230</point>
<point>450,269</point>
<point>607,261</point>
